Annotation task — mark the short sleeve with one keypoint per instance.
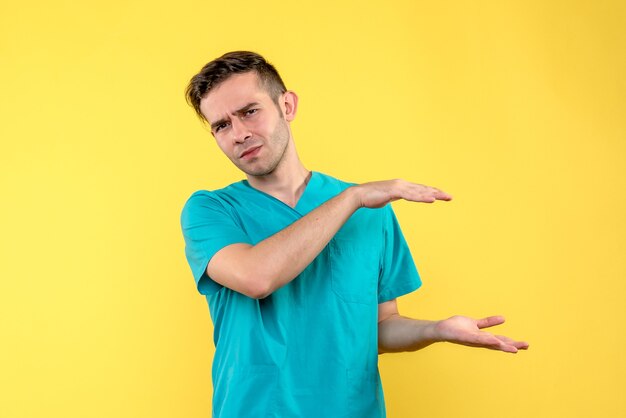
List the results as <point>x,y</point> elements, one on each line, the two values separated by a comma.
<point>208,226</point>
<point>398,274</point>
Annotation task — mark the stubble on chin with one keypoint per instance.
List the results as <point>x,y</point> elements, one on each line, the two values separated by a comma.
<point>280,137</point>
<point>266,170</point>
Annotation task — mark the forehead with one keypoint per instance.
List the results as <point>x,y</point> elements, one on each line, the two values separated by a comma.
<point>231,95</point>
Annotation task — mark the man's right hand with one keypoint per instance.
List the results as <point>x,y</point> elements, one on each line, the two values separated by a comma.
<point>377,194</point>
<point>257,271</point>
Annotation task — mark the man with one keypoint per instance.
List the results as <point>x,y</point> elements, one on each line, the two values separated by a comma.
<point>301,271</point>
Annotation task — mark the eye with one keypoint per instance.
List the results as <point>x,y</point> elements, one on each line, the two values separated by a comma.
<point>221,126</point>
<point>250,112</point>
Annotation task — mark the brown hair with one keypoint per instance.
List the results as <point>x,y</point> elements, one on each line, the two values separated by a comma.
<point>236,62</point>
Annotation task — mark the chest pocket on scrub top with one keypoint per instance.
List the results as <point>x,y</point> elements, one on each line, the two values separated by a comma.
<point>355,268</point>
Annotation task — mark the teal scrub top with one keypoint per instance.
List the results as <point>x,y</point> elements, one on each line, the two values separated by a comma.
<point>310,349</point>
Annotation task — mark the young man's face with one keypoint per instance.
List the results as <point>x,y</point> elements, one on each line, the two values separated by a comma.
<point>248,126</point>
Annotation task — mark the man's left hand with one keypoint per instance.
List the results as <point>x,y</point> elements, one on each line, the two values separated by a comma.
<point>467,331</point>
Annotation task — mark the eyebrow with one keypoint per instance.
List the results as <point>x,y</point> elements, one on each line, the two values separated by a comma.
<point>236,112</point>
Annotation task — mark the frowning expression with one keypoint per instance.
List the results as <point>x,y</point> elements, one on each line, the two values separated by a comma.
<point>249,127</point>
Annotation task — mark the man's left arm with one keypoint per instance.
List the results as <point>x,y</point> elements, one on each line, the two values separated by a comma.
<point>397,333</point>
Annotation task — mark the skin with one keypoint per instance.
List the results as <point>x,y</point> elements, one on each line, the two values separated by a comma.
<point>254,132</point>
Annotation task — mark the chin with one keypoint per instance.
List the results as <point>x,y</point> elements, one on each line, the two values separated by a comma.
<point>259,173</point>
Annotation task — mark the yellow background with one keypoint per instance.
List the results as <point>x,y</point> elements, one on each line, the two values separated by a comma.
<point>514,107</point>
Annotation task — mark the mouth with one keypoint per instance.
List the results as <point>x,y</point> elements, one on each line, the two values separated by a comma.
<point>250,152</point>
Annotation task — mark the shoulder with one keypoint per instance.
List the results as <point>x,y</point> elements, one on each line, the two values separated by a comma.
<point>203,201</point>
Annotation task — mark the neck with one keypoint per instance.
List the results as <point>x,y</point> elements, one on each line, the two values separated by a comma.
<point>287,182</point>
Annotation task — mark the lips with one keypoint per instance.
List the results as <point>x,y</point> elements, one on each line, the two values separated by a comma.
<point>249,151</point>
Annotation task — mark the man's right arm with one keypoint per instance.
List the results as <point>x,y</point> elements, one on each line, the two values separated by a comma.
<point>258,270</point>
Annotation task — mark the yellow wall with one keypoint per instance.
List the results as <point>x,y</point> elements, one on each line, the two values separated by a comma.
<point>516,108</point>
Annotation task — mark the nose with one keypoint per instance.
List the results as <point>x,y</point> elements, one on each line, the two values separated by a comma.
<point>239,130</point>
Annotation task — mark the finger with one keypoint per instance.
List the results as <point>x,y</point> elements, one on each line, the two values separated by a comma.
<point>498,343</point>
<point>505,339</point>
<point>426,197</point>
<point>487,340</point>
<point>520,345</point>
<point>419,195</point>
<point>437,193</point>
<point>441,195</point>
<point>508,348</point>
<point>490,321</point>
<point>426,194</point>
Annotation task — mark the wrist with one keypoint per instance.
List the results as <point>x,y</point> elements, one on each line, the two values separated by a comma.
<point>432,332</point>
<point>353,195</point>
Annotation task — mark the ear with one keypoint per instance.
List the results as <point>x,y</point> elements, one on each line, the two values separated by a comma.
<point>289,105</point>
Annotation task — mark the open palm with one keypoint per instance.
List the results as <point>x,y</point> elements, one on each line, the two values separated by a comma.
<point>467,331</point>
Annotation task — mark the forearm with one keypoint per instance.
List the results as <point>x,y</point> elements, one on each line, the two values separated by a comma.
<point>398,333</point>
<point>278,259</point>
<point>286,254</point>
<point>258,270</point>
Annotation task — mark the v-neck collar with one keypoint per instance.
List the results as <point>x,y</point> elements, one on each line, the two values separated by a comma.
<point>307,201</point>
